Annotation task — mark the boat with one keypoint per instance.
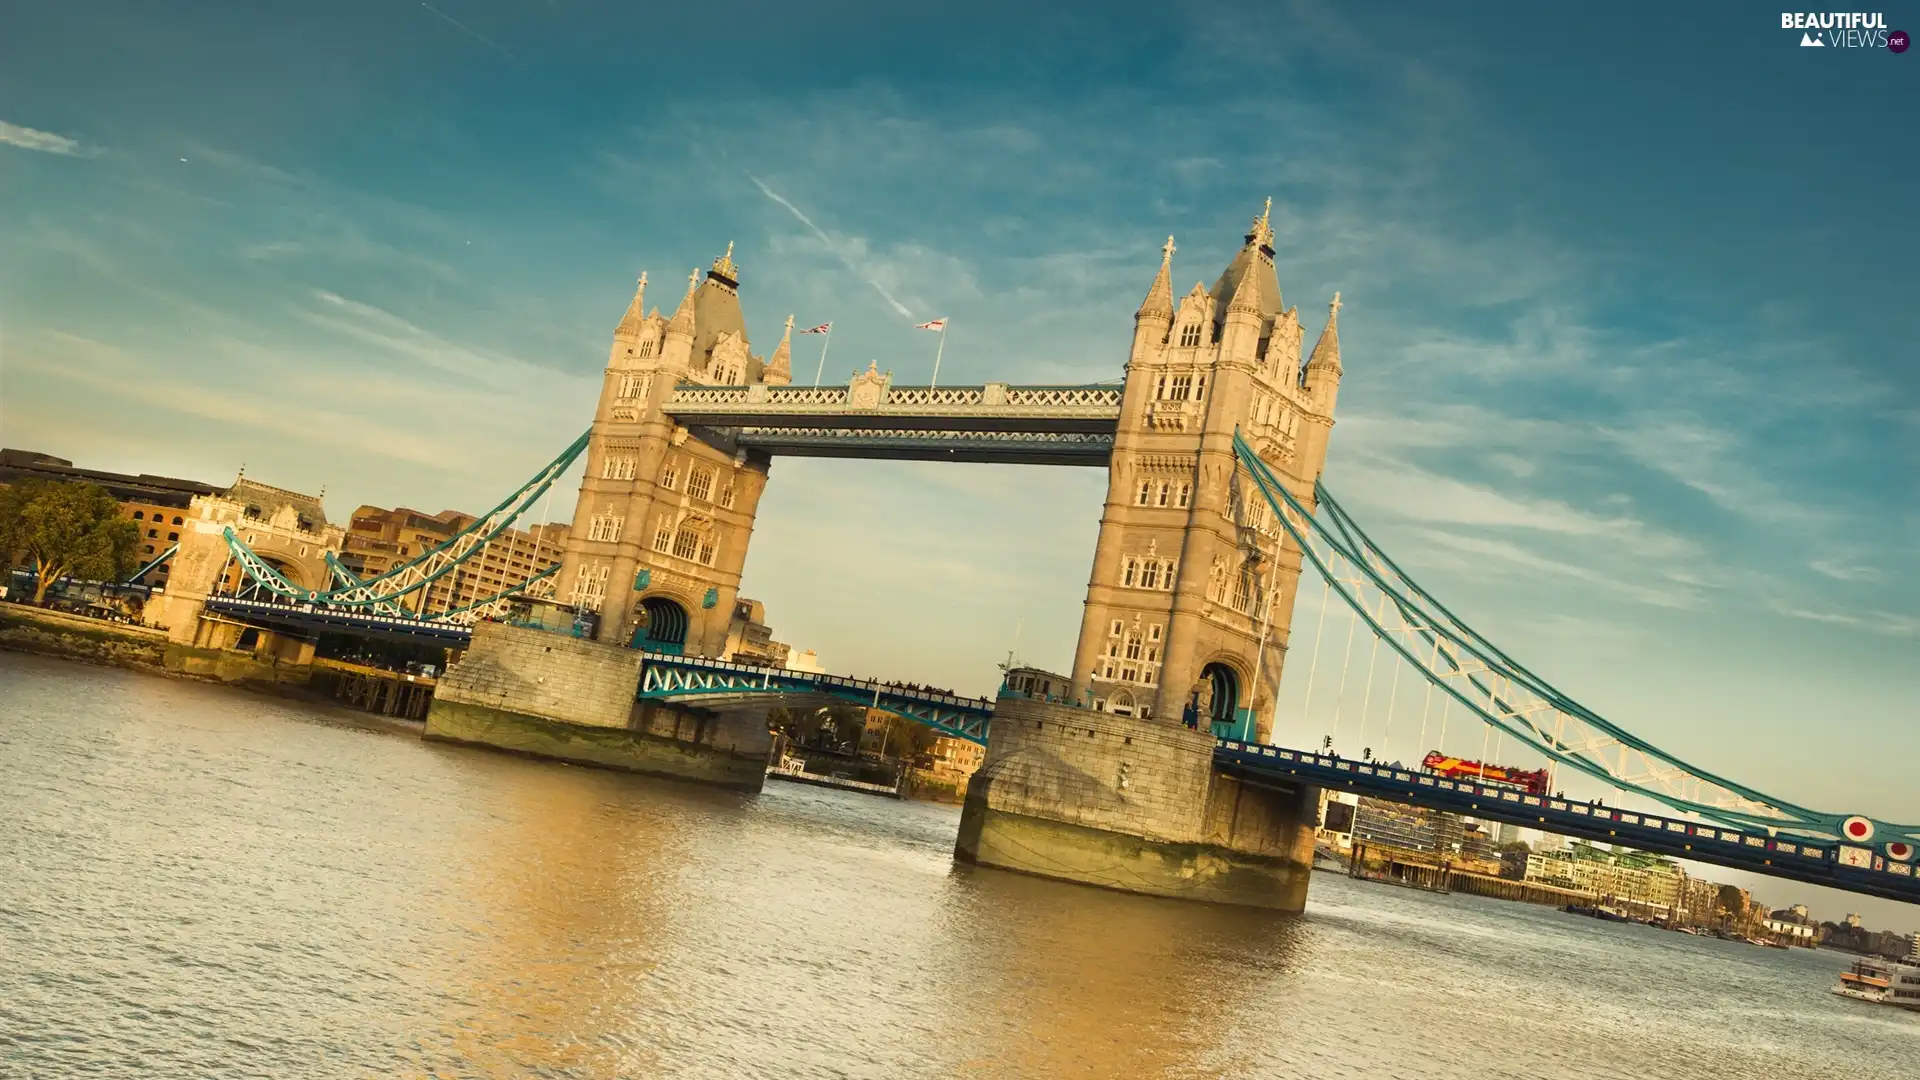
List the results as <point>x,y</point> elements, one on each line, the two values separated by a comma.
<point>1881,982</point>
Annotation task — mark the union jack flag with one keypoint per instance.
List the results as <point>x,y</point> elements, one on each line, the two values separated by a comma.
<point>821,329</point>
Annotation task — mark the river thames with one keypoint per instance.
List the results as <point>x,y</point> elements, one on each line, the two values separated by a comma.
<point>201,882</point>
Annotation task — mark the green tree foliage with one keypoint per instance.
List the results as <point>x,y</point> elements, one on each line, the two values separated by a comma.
<point>62,530</point>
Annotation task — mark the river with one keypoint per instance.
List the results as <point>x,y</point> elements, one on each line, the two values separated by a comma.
<point>200,882</point>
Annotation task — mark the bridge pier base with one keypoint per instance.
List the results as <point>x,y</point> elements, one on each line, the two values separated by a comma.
<point>547,695</point>
<point>1134,805</point>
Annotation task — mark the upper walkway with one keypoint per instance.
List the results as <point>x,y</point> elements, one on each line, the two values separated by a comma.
<point>869,417</point>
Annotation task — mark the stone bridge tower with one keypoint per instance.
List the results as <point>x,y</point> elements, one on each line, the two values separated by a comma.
<point>660,532</point>
<point>1192,590</point>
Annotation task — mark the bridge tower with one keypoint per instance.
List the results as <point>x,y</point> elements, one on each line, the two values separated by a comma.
<point>1191,593</point>
<point>661,527</point>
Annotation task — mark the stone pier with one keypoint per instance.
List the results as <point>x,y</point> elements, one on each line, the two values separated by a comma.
<point>1135,805</point>
<point>548,695</point>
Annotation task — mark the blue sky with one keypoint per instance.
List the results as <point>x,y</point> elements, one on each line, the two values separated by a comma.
<point>1631,374</point>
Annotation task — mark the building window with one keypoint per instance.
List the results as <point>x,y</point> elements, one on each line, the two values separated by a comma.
<point>138,516</point>
<point>635,385</point>
<point>591,586</point>
<point>1130,570</point>
<point>176,536</point>
<point>1190,335</point>
<point>1183,494</point>
<point>706,551</point>
<point>726,495</point>
<point>1243,592</point>
<point>1146,493</point>
<point>663,537</point>
<point>670,474</point>
<point>605,526</point>
<point>1116,628</point>
<point>177,521</point>
<point>153,534</point>
<point>149,549</point>
<point>646,348</point>
<point>700,483</point>
<point>1150,574</point>
<point>1199,387</point>
<point>1177,389</point>
<point>1164,491</point>
<point>1153,634</point>
<point>686,544</point>
<point>618,467</point>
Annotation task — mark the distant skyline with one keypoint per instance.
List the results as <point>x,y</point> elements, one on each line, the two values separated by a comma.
<point>1631,376</point>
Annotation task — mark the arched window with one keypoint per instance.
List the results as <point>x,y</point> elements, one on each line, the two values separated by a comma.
<point>1163,493</point>
<point>1190,335</point>
<point>700,483</point>
<point>138,516</point>
<point>1146,493</point>
<point>177,521</point>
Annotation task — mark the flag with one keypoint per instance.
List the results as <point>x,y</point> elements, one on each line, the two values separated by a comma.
<point>935,325</point>
<point>821,329</point>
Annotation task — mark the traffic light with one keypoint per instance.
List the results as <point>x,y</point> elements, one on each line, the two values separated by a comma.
<point>1366,753</point>
<point>1326,742</point>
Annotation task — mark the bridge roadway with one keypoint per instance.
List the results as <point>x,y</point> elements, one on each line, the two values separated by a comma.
<point>718,684</point>
<point>1838,866</point>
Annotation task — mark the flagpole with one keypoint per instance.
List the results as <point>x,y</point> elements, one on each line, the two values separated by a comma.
<point>824,342</point>
<point>935,381</point>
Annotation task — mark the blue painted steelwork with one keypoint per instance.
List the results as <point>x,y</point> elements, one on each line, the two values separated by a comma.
<point>1508,697</point>
<point>1848,867</point>
<point>695,681</point>
<point>325,619</point>
<point>157,560</point>
<point>378,593</point>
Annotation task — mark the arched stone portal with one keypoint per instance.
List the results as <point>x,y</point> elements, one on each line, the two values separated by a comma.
<point>663,628</point>
<point>1218,697</point>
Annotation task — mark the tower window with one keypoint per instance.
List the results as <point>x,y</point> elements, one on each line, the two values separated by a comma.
<point>1146,493</point>
<point>726,495</point>
<point>686,545</point>
<point>1130,573</point>
<point>646,348</point>
<point>1163,493</point>
<point>700,483</point>
<point>1177,389</point>
<point>1183,494</point>
<point>705,555</point>
<point>663,537</point>
<point>670,475</point>
<point>1190,335</point>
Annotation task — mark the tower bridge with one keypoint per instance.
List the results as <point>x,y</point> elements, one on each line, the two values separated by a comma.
<point>1159,771</point>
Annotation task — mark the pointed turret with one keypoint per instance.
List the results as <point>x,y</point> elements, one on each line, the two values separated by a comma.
<point>682,321</point>
<point>636,311</point>
<point>779,369</point>
<point>1326,352</point>
<point>1159,301</point>
<point>1322,375</point>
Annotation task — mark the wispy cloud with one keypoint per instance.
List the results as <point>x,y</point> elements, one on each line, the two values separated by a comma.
<point>46,142</point>
<point>470,32</point>
<point>848,253</point>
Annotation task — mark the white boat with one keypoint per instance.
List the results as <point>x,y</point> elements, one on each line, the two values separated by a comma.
<point>1882,982</point>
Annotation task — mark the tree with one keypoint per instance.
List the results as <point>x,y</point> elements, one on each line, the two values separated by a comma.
<point>66,530</point>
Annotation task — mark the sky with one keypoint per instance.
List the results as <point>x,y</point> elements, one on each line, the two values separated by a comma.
<point>1631,377</point>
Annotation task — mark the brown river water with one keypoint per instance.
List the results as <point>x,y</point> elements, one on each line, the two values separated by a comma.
<point>200,882</point>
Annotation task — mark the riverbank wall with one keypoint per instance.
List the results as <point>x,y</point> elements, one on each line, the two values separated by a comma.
<point>547,695</point>
<point>45,632</point>
<point>1133,805</point>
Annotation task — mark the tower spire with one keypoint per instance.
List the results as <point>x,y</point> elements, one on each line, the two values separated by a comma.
<point>682,321</point>
<point>779,369</point>
<point>1159,301</point>
<point>724,268</point>
<point>1326,352</point>
<point>1261,234</point>
<point>636,310</point>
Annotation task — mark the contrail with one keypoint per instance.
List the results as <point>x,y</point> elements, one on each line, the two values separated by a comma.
<point>471,32</point>
<point>833,246</point>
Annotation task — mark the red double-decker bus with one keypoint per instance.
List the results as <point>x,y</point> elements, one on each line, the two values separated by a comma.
<point>1534,783</point>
